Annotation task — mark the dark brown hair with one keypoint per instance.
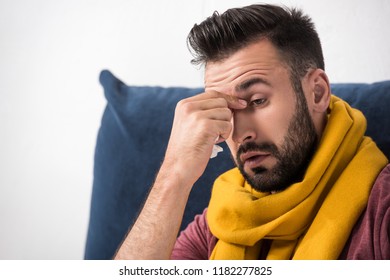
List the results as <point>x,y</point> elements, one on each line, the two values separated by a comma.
<point>289,30</point>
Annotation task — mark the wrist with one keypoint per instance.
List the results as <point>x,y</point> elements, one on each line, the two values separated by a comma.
<point>175,173</point>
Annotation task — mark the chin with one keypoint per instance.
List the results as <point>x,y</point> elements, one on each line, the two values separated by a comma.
<point>266,180</point>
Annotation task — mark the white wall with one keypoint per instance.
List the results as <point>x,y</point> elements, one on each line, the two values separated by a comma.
<point>51,53</point>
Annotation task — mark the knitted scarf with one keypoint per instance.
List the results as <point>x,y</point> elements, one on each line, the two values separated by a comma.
<point>311,219</point>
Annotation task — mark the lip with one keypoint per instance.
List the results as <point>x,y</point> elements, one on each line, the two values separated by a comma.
<point>253,159</point>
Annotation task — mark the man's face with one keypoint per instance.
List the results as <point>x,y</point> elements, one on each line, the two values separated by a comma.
<point>273,138</point>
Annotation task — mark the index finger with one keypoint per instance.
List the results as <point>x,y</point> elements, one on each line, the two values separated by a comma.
<point>233,101</point>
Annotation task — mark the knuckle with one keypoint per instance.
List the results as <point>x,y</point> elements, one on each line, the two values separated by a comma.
<point>222,101</point>
<point>226,114</point>
<point>227,128</point>
<point>185,106</point>
<point>203,124</point>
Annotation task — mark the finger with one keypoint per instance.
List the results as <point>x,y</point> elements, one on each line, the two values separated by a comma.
<point>223,114</point>
<point>207,104</point>
<point>224,129</point>
<point>233,101</point>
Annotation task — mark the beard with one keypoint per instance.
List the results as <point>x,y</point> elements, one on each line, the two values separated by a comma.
<point>292,157</point>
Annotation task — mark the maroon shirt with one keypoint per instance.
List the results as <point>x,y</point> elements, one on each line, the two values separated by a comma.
<point>369,240</point>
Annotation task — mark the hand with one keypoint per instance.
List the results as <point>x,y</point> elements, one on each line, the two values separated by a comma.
<point>200,122</point>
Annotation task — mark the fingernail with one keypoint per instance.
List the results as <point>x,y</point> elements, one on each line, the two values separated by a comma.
<point>242,102</point>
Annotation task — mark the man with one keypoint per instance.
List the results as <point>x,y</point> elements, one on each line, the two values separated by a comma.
<point>308,183</point>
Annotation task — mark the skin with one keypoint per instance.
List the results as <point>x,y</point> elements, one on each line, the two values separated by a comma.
<point>228,110</point>
<point>272,140</point>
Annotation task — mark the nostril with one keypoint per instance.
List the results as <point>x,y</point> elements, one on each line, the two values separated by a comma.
<point>247,138</point>
<point>243,139</point>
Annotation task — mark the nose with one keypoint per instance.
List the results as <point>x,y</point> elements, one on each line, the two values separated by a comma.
<point>243,127</point>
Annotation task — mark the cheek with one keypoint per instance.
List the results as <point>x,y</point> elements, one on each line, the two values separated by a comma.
<point>266,126</point>
<point>272,125</point>
<point>279,127</point>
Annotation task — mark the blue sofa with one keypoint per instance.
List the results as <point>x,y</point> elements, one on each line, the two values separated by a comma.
<point>131,144</point>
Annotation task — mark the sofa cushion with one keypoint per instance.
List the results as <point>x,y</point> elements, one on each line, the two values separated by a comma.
<point>374,101</point>
<point>132,140</point>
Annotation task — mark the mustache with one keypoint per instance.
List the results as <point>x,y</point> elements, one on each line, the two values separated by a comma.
<point>255,147</point>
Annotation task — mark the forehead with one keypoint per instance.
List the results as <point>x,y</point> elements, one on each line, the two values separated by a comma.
<point>258,60</point>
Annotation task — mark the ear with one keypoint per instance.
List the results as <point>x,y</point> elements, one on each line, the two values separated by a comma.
<point>320,90</point>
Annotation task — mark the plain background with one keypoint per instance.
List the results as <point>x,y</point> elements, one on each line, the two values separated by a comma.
<point>51,53</point>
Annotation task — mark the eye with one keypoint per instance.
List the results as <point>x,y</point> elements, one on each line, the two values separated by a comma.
<point>258,102</point>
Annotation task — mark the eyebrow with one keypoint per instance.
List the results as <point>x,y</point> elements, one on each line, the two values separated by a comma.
<point>249,83</point>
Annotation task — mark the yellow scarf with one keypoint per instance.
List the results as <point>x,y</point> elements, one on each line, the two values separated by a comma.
<point>311,219</point>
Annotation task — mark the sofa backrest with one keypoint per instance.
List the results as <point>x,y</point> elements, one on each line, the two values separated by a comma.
<point>131,144</point>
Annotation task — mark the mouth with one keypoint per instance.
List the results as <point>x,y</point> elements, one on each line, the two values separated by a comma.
<point>253,159</point>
